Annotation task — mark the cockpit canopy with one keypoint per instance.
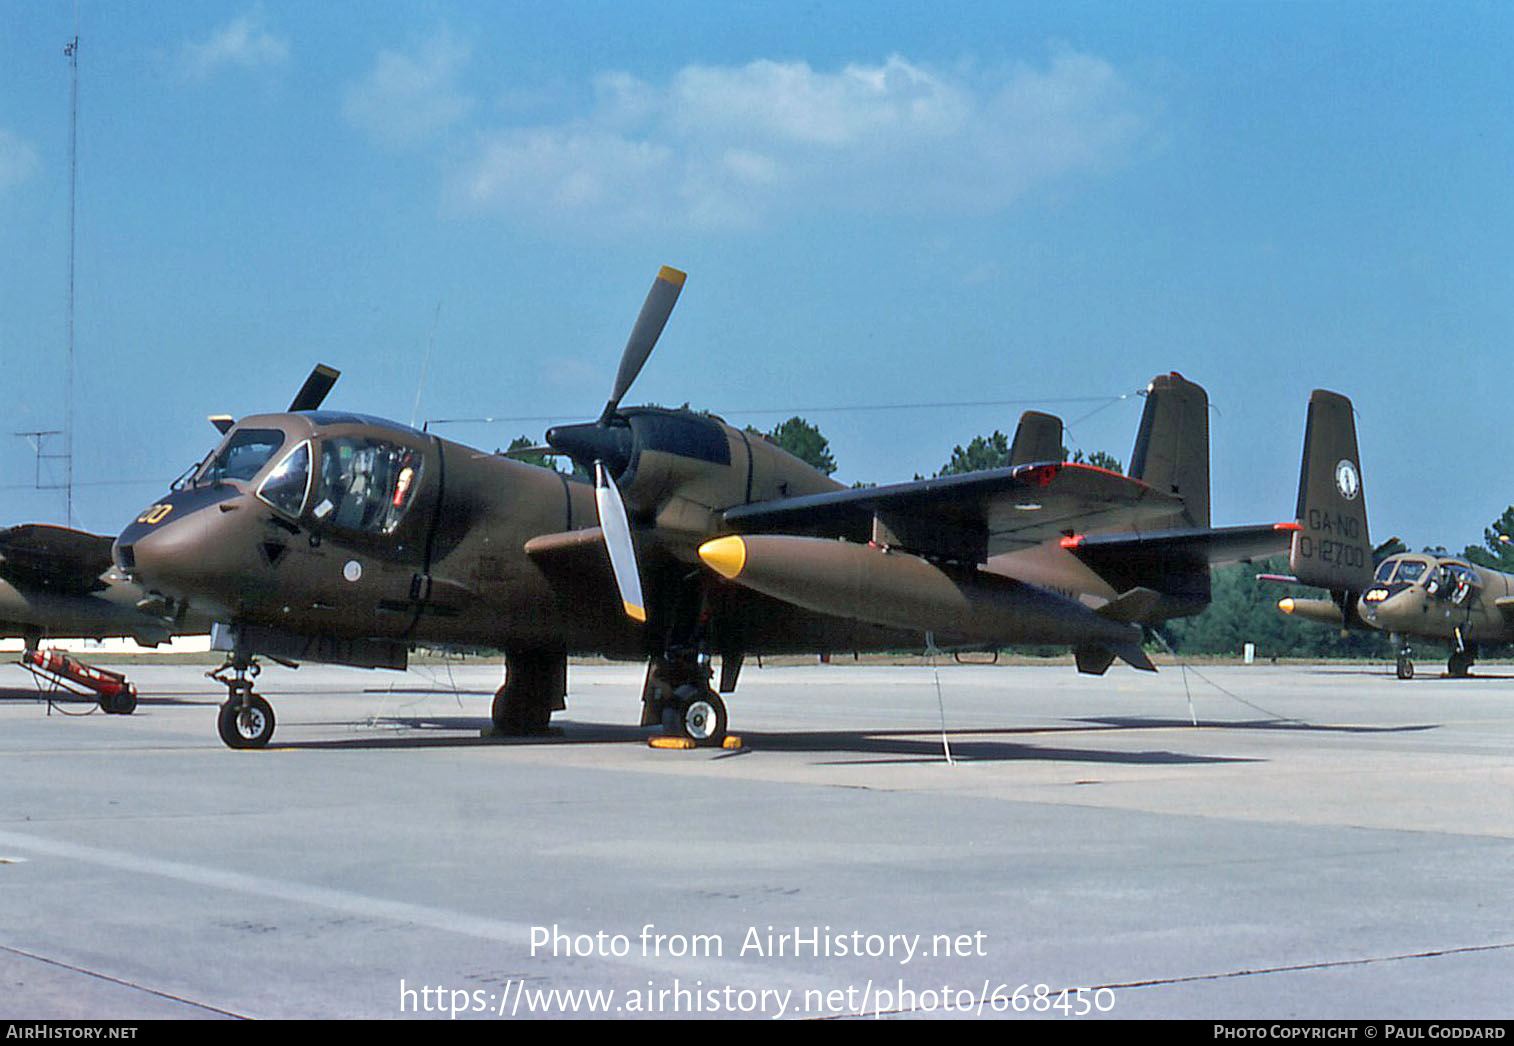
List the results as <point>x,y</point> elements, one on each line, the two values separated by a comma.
<point>362,483</point>
<point>240,457</point>
<point>1404,571</point>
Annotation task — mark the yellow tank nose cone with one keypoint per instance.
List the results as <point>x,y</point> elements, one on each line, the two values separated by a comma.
<point>726,556</point>
<point>1285,605</point>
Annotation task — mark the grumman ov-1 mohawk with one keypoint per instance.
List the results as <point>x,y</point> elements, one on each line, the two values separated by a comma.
<point>1445,598</point>
<point>327,536</point>
<point>56,582</point>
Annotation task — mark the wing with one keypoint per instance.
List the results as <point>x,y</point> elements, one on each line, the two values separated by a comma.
<point>974,516</point>
<point>1127,560</point>
<point>37,555</point>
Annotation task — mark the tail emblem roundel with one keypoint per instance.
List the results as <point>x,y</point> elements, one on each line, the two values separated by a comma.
<point>1347,481</point>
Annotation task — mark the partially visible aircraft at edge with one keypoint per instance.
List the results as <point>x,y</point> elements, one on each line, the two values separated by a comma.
<point>329,536</point>
<point>1411,594</point>
<point>60,582</point>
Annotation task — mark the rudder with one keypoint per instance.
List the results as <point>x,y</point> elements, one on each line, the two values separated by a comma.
<point>1331,548</point>
<point>1038,438</point>
<point>1172,445</point>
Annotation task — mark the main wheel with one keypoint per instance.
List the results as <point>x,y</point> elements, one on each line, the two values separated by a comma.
<point>246,725</point>
<point>701,716</point>
<point>1459,664</point>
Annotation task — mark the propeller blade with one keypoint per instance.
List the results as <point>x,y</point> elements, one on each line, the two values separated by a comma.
<point>313,393</point>
<point>654,316</point>
<point>617,530</point>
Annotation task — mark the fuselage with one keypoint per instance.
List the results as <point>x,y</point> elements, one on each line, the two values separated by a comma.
<point>1438,597</point>
<point>362,531</point>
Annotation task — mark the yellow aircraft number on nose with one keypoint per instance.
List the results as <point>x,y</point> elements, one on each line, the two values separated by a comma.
<point>157,514</point>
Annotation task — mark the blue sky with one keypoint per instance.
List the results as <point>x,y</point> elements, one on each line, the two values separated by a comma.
<point>992,207</point>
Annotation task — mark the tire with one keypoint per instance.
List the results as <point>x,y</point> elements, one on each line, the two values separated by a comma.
<point>246,725</point>
<point>702,718</point>
<point>1405,668</point>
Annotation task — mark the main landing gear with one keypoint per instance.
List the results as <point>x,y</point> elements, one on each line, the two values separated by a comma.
<point>246,719</point>
<point>535,686</point>
<point>1459,664</point>
<point>678,695</point>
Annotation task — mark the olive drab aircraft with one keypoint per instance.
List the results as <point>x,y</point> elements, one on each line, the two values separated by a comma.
<point>60,582</point>
<point>1409,594</point>
<point>323,535</point>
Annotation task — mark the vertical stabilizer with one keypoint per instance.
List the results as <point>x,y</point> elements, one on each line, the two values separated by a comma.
<point>1172,447</point>
<point>1038,439</point>
<point>1331,549</point>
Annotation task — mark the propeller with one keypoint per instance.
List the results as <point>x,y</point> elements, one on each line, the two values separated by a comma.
<point>313,393</point>
<point>310,397</point>
<point>608,444</point>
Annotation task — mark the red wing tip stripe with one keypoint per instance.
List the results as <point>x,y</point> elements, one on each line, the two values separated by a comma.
<point>1071,541</point>
<point>1287,526</point>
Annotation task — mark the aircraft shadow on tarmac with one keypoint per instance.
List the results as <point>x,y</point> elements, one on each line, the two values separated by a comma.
<point>1140,723</point>
<point>867,746</point>
<point>64,697</point>
<point>1421,677</point>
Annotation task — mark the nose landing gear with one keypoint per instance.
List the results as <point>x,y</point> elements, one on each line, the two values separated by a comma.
<point>245,720</point>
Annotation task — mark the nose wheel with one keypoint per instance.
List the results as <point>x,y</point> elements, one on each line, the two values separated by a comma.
<point>245,720</point>
<point>247,723</point>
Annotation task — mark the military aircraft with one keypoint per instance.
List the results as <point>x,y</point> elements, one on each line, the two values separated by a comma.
<point>56,581</point>
<point>1445,598</point>
<point>331,536</point>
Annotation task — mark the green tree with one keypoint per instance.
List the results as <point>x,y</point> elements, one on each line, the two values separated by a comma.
<point>804,441</point>
<point>984,452</point>
<point>992,452</point>
<point>546,461</point>
<point>1098,459</point>
<point>1497,549</point>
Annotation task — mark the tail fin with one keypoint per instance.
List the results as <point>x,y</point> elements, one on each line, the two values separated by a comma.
<point>1331,549</point>
<point>1038,439</point>
<point>1172,447</point>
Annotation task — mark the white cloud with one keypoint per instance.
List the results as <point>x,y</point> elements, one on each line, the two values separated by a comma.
<point>242,43</point>
<point>405,100</point>
<point>735,146</point>
<point>18,160</point>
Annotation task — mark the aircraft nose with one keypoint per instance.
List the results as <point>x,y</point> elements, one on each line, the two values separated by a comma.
<point>157,555</point>
<point>172,546</point>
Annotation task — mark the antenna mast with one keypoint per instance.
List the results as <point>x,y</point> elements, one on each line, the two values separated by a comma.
<point>72,51</point>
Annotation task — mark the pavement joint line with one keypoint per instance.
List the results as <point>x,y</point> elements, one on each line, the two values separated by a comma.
<point>23,953</point>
